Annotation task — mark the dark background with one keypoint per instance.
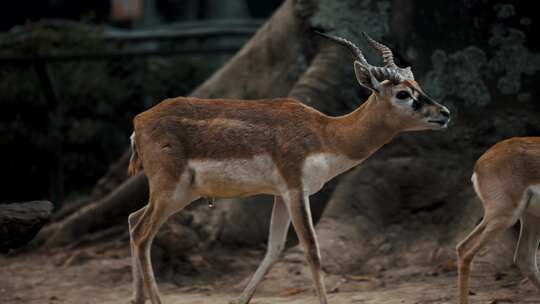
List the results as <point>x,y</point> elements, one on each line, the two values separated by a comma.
<point>99,11</point>
<point>57,150</point>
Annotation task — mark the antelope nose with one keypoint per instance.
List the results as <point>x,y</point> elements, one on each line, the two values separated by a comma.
<point>445,113</point>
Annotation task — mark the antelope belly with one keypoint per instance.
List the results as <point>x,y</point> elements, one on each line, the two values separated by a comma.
<point>236,177</point>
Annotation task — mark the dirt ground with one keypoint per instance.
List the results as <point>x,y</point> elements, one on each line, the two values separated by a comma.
<point>95,275</point>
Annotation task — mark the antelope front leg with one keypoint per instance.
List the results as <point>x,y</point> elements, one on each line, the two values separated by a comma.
<point>279,225</point>
<point>300,212</point>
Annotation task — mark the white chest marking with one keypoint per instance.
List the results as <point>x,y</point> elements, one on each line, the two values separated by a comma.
<point>322,167</point>
<point>237,177</point>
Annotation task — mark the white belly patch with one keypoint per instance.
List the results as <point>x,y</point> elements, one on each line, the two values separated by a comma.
<point>322,167</point>
<point>236,177</point>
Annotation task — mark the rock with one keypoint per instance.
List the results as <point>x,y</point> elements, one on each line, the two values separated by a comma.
<point>19,222</point>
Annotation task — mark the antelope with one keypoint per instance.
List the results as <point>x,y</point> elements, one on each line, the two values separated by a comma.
<point>507,180</point>
<point>192,148</point>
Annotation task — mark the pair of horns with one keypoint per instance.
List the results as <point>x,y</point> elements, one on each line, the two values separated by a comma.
<point>389,71</point>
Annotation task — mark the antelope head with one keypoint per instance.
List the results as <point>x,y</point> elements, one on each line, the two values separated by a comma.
<point>404,99</point>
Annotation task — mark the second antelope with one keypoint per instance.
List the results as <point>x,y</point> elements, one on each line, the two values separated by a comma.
<point>507,181</point>
<point>192,148</point>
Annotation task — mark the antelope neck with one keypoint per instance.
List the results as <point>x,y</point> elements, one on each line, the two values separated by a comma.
<point>363,131</point>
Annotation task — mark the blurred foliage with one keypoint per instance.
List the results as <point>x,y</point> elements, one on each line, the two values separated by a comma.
<point>96,103</point>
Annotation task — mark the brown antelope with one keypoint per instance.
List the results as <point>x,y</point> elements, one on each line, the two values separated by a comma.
<point>192,148</point>
<point>507,181</point>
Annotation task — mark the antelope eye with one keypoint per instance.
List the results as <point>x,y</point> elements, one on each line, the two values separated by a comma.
<point>403,95</point>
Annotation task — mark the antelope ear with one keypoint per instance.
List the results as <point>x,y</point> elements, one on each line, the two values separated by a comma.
<point>365,78</point>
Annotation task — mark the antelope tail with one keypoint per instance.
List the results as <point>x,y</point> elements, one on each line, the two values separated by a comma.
<point>134,162</point>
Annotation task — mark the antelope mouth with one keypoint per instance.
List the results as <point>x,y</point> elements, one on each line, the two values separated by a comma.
<point>440,122</point>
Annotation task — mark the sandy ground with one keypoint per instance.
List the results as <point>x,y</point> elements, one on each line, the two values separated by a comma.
<point>85,276</point>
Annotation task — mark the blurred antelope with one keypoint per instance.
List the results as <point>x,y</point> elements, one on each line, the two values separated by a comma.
<point>507,181</point>
<point>192,148</point>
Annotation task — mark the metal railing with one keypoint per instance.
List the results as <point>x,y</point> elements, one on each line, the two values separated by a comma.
<point>201,30</point>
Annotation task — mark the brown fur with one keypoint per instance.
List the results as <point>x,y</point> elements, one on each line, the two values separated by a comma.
<point>190,128</point>
<point>516,164</point>
<point>187,128</point>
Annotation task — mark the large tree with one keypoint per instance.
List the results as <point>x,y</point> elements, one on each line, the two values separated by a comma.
<point>412,201</point>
